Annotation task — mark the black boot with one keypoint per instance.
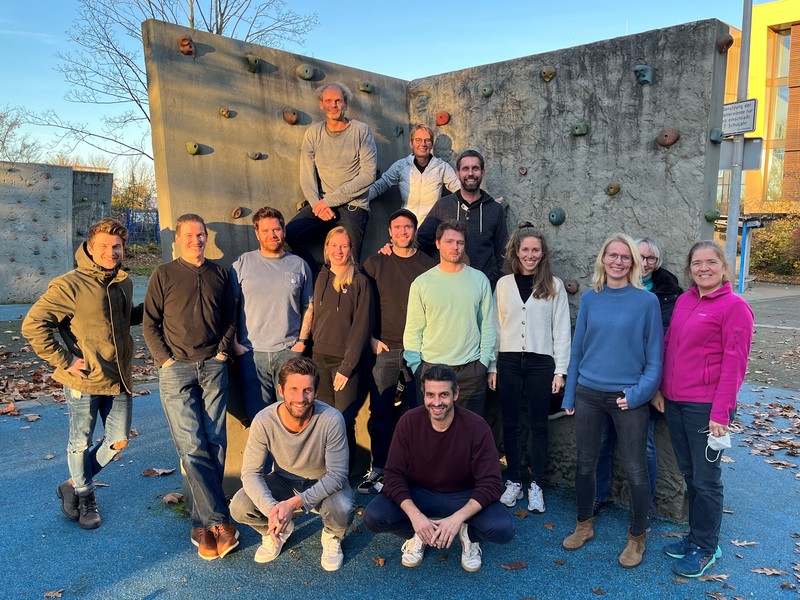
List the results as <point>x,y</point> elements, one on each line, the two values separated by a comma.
<point>89,517</point>
<point>69,501</point>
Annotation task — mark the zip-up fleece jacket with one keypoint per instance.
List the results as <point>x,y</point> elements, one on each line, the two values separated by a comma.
<point>706,349</point>
<point>486,231</point>
<point>92,310</point>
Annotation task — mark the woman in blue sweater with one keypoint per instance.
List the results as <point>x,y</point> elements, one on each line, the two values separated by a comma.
<point>614,370</point>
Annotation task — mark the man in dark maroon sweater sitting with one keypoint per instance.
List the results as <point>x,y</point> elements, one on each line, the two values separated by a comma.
<point>442,479</point>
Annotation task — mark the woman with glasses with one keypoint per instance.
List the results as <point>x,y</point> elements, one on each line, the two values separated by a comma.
<point>614,369</point>
<point>664,285</point>
<point>705,361</point>
<point>533,331</point>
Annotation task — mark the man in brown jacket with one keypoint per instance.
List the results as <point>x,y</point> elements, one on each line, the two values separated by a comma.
<point>91,307</point>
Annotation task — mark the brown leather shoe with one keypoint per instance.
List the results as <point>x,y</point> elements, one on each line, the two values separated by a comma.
<point>226,536</point>
<point>584,532</point>
<point>206,543</point>
<point>632,555</point>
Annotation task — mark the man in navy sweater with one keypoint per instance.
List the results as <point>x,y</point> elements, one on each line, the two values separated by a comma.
<point>442,479</point>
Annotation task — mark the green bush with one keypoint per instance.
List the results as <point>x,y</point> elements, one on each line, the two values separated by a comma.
<point>776,247</point>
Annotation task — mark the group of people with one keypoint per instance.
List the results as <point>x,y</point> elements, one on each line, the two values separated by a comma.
<point>432,311</point>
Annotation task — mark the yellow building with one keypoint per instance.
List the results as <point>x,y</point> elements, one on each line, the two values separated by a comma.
<point>774,80</point>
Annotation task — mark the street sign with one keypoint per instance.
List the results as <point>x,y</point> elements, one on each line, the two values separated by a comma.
<point>739,117</point>
<point>751,160</point>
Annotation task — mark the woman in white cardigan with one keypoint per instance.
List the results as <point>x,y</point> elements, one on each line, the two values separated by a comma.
<point>534,347</point>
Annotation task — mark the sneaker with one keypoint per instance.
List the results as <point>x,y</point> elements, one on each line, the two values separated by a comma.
<point>372,484</point>
<point>69,501</point>
<point>88,516</point>
<point>226,536</point>
<point>332,556</point>
<point>512,494</point>
<point>535,499</point>
<point>413,550</point>
<point>269,550</point>
<point>206,543</point>
<point>470,551</point>
<point>682,547</point>
<point>696,562</point>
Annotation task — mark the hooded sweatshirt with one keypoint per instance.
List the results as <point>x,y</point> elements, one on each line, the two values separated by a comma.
<point>92,310</point>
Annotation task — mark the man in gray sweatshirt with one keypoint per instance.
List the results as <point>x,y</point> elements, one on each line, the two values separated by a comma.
<point>305,443</point>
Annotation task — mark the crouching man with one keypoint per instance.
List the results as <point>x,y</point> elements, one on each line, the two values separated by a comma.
<point>442,478</point>
<point>305,442</point>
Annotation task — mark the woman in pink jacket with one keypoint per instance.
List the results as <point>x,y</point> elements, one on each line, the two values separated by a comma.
<point>705,361</point>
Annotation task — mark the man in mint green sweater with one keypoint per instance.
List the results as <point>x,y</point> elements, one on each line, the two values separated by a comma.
<point>450,319</point>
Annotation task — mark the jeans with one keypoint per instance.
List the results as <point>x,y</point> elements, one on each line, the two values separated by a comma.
<point>85,458</point>
<point>194,396</point>
<point>494,523</point>
<point>305,229</point>
<point>345,401</point>
<point>336,510</point>
<point>525,377</point>
<point>605,463</point>
<point>258,372</point>
<point>471,379</point>
<point>703,478</point>
<point>386,369</point>
<point>591,410</point>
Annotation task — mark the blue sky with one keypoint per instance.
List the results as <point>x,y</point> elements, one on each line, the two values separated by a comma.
<point>408,40</point>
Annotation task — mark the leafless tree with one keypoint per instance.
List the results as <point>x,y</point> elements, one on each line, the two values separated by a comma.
<point>16,146</point>
<point>106,67</point>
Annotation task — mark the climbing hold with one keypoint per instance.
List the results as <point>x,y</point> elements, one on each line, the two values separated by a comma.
<point>668,136</point>
<point>580,129</point>
<point>523,171</point>
<point>547,73</point>
<point>305,71</point>
<point>442,118</point>
<point>571,286</point>
<point>712,216</point>
<point>290,115</point>
<point>644,74</point>
<point>716,135</point>
<point>398,131</point>
<point>237,212</point>
<point>612,189</point>
<point>254,155</point>
<point>487,91</point>
<point>185,45</point>
<point>225,112</point>
<point>192,148</point>
<point>46,175</point>
<point>557,216</point>
<point>253,62</point>
<point>725,42</point>
<point>366,86</point>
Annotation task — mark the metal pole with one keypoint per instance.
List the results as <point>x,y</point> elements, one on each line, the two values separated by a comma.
<point>732,232</point>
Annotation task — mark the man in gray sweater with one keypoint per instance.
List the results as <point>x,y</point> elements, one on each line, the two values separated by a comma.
<point>305,443</point>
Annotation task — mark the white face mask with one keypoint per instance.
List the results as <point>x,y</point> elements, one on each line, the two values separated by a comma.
<point>716,444</point>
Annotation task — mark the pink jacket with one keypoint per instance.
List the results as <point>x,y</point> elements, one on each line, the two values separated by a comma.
<point>706,349</point>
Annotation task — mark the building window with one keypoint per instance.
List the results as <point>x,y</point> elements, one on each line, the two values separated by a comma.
<point>778,113</point>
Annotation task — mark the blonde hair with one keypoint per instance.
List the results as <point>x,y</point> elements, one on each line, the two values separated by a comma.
<point>345,278</point>
<point>635,273</point>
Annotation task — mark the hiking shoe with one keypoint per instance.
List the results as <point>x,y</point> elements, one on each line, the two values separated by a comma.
<point>69,501</point>
<point>696,562</point>
<point>470,551</point>
<point>535,499</point>
<point>269,550</point>
<point>332,555</point>
<point>598,506</point>
<point>413,550</point>
<point>226,536</point>
<point>206,543</point>
<point>584,532</point>
<point>372,484</point>
<point>512,494</point>
<point>88,516</point>
<point>682,547</point>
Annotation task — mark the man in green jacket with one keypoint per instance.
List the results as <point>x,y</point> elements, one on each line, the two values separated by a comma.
<point>91,307</point>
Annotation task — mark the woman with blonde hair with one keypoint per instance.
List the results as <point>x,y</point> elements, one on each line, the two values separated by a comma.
<point>614,369</point>
<point>533,333</point>
<point>341,327</point>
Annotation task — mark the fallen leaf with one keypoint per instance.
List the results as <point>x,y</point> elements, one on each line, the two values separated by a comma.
<point>379,561</point>
<point>133,433</point>
<point>100,484</point>
<point>521,513</point>
<point>173,498</point>
<point>794,536</point>
<point>716,595</point>
<point>443,557</point>
<point>515,565</point>
<point>152,472</point>
<point>727,459</point>
<point>727,511</point>
<point>9,410</point>
<point>768,571</point>
<point>673,534</point>
<point>117,457</point>
<point>31,418</point>
<point>743,543</point>
<point>599,591</point>
<point>25,427</point>
<point>787,585</point>
<point>680,580</point>
<point>737,555</point>
<point>559,562</point>
<point>549,526</point>
<point>714,577</point>
<point>49,456</point>
<point>360,510</point>
<point>54,594</point>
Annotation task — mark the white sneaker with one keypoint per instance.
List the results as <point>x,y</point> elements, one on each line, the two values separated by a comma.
<point>269,550</point>
<point>332,556</point>
<point>413,550</point>
<point>512,494</point>
<point>470,551</point>
<point>535,499</point>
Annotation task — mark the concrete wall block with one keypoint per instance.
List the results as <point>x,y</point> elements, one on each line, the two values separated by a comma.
<point>91,194</point>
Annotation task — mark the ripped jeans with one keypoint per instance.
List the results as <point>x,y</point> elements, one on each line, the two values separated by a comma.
<point>85,458</point>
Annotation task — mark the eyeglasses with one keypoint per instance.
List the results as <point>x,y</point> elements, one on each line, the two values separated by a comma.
<point>650,260</point>
<point>425,141</point>
<point>623,258</point>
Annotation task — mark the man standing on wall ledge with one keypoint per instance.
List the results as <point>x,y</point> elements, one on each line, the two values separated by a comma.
<point>189,326</point>
<point>338,160</point>
<point>484,217</point>
<point>91,307</point>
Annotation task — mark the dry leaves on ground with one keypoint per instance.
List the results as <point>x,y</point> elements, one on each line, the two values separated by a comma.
<point>743,543</point>
<point>49,456</point>
<point>152,472</point>
<point>515,565</point>
<point>768,571</point>
<point>521,513</point>
<point>713,577</point>
<point>173,498</point>
<point>379,561</point>
<point>54,594</point>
